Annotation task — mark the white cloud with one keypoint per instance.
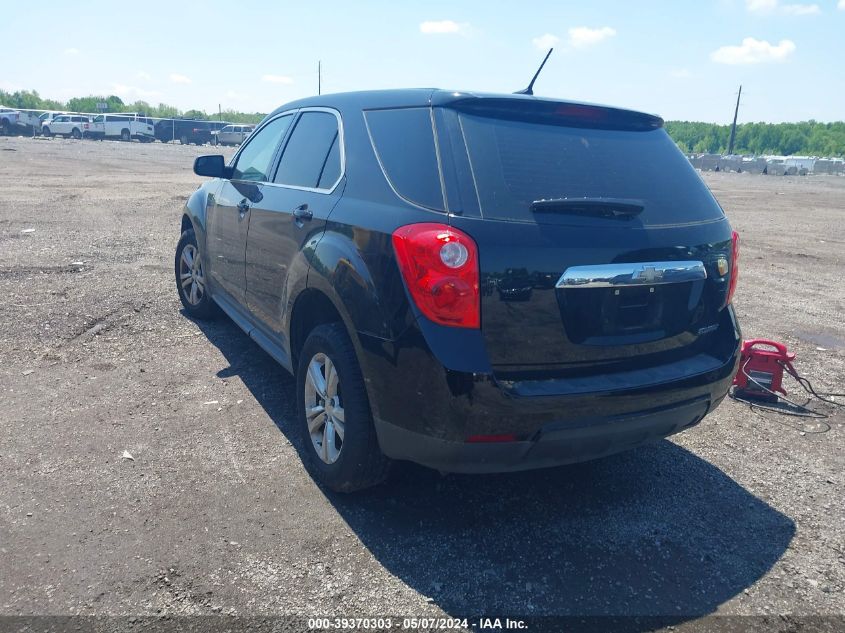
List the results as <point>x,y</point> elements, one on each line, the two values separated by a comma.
<point>774,6</point>
<point>841,5</point>
<point>583,36</point>
<point>547,41</point>
<point>441,27</point>
<point>761,6</point>
<point>179,79</point>
<point>237,96</point>
<point>142,74</point>
<point>71,51</point>
<point>680,73</point>
<point>801,9</point>
<point>277,79</point>
<point>753,51</point>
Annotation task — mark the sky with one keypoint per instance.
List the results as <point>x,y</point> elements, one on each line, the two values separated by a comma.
<point>681,59</point>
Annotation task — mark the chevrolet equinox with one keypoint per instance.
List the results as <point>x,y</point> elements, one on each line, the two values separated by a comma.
<point>473,282</point>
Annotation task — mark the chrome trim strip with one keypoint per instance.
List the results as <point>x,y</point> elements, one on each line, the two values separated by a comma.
<point>634,274</point>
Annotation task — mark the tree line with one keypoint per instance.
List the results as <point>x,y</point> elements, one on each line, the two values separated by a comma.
<point>31,100</point>
<point>806,138</point>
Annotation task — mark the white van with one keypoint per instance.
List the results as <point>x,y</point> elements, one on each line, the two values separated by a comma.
<point>124,126</point>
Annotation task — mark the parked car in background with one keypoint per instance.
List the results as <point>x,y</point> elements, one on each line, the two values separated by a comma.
<point>234,134</point>
<point>46,118</point>
<point>186,131</point>
<point>10,121</point>
<point>67,125</point>
<point>17,121</point>
<point>379,221</point>
<point>124,126</point>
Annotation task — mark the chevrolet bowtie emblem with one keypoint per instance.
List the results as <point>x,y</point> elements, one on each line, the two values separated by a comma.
<point>650,273</point>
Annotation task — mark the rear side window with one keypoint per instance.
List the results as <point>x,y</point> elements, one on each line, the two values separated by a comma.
<point>403,140</point>
<point>307,160</point>
<point>515,163</point>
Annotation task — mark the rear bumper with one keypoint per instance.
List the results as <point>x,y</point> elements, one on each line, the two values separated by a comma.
<point>427,405</point>
<point>554,445</point>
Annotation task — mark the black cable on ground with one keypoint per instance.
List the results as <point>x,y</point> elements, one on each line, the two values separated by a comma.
<point>791,408</point>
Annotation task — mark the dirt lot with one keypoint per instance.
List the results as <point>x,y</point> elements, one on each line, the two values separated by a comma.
<point>215,513</point>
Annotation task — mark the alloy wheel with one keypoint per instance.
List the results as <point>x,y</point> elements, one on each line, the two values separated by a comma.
<point>191,275</point>
<point>324,408</point>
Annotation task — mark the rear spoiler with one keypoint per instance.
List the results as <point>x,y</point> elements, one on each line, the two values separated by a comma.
<point>546,111</point>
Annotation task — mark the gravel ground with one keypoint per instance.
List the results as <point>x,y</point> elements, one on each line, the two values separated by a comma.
<point>214,513</point>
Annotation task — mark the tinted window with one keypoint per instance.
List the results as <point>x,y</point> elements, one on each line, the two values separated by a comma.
<point>307,152</point>
<point>331,170</point>
<point>254,161</point>
<point>515,163</point>
<point>404,143</point>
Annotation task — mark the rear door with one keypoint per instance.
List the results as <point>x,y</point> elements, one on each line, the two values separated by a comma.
<point>598,242</point>
<point>229,217</point>
<point>293,211</point>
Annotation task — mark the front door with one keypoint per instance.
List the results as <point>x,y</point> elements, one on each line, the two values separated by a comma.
<point>229,217</point>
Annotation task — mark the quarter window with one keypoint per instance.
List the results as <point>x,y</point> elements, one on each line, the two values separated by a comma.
<point>312,155</point>
<point>253,163</point>
<point>404,143</point>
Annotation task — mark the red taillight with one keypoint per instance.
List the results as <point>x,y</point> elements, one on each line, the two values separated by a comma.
<point>486,439</point>
<point>440,267</point>
<point>734,266</point>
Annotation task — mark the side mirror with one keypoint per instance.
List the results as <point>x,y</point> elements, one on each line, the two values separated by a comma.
<point>213,166</point>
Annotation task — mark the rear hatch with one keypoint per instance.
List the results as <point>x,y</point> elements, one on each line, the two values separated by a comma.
<point>600,247</point>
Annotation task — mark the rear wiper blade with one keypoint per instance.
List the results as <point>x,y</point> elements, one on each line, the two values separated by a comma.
<point>600,207</point>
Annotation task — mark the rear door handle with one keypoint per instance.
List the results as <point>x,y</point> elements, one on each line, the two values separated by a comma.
<point>302,213</point>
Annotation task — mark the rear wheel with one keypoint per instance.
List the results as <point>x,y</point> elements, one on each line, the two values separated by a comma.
<point>341,450</point>
<point>124,135</point>
<point>76,133</point>
<point>46,131</point>
<point>191,281</point>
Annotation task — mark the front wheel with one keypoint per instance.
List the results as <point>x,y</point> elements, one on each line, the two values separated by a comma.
<point>191,282</point>
<point>333,413</point>
<point>125,136</point>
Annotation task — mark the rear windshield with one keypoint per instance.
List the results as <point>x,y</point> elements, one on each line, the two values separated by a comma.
<point>515,163</point>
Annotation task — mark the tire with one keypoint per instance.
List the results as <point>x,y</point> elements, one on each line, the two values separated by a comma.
<point>125,136</point>
<point>358,462</point>
<point>4,127</point>
<point>75,133</point>
<point>183,139</point>
<point>191,282</point>
<point>46,131</point>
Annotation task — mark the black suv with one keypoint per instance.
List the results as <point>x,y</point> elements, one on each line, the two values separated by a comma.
<point>186,131</point>
<point>473,282</point>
